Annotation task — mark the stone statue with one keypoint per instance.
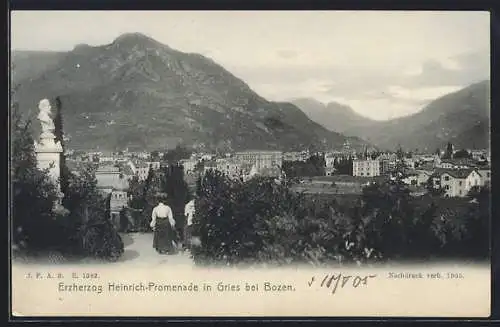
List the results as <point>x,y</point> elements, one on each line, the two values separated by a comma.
<point>45,119</point>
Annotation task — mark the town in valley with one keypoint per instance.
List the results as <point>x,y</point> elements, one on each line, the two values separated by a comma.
<point>455,171</point>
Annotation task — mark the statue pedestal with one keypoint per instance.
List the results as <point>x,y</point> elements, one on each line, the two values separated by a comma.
<point>48,154</point>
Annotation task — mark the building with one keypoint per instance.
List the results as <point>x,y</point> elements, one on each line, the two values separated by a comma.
<point>109,178</point>
<point>423,176</point>
<point>485,173</point>
<point>409,162</point>
<point>417,177</point>
<point>365,168</point>
<point>296,156</point>
<point>153,164</point>
<point>261,159</point>
<point>229,167</point>
<point>209,165</point>
<point>457,164</point>
<point>387,162</point>
<point>330,159</point>
<point>456,182</point>
<point>207,156</point>
<point>411,178</point>
<point>127,171</point>
<point>118,200</point>
<point>189,165</point>
<point>347,150</point>
<point>479,155</point>
<point>427,159</point>
<point>330,170</point>
<point>142,171</point>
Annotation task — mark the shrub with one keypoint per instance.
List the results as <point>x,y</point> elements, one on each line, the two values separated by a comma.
<point>261,221</point>
<point>34,225</point>
<point>101,240</point>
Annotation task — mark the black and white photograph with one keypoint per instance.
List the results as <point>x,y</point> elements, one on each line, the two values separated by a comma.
<point>227,145</point>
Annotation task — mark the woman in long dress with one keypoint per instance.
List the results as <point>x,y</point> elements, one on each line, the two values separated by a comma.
<point>163,224</point>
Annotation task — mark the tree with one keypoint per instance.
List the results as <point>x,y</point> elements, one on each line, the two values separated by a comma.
<point>155,156</point>
<point>89,229</point>
<point>400,154</point>
<point>37,226</point>
<point>177,154</point>
<point>448,154</point>
<point>432,189</point>
<point>174,185</point>
<point>199,167</point>
<point>59,134</point>
<point>391,214</point>
<point>33,194</point>
<point>136,192</point>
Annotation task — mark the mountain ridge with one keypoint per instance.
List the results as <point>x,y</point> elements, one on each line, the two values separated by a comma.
<point>139,93</point>
<point>461,117</point>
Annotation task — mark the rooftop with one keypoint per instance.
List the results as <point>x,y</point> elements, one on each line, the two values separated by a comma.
<point>461,161</point>
<point>456,173</point>
<point>107,169</point>
<point>259,151</point>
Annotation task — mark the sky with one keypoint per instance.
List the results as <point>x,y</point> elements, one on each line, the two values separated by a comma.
<point>384,64</point>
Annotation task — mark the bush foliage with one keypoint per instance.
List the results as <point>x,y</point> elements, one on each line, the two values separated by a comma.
<point>262,220</point>
<point>83,229</point>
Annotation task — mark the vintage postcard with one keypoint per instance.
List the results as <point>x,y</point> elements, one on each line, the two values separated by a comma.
<point>247,163</point>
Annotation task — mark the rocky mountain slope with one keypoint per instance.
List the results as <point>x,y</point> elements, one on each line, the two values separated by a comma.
<point>141,94</point>
<point>462,117</point>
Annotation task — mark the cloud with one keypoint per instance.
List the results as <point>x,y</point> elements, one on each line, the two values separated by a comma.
<point>463,69</point>
<point>287,54</point>
<point>420,95</point>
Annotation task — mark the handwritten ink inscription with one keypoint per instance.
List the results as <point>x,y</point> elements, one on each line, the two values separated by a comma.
<point>334,281</point>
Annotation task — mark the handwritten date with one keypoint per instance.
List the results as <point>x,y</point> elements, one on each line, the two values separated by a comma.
<point>333,281</point>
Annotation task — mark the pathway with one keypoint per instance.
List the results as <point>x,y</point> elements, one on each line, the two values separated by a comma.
<point>138,251</point>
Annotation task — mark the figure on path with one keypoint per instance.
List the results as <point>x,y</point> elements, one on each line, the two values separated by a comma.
<point>188,230</point>
<point>163,225</point>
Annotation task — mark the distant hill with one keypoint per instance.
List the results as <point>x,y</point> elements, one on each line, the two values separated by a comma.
<point>334,116</point>
<point>138,93</point>
<point>30,64</point>
<point>461,117</point>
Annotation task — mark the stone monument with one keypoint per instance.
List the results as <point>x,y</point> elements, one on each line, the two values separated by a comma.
<point>48,152</point>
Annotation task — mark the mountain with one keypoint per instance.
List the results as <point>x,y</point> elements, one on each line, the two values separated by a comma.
<point>30,64</point>
<point>138,93</point>
<point>333,116</point>
<point>461,117</point>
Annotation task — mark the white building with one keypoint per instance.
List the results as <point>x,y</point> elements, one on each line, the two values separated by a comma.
<point>142,171</point>
<point>417,177</point>
<point>457,164</point>
<point>189,165</point>
<point>456,182</point>
<point>409,162</point>
<point>109,179</point>
<point>330,160</point>
<point>365,168</point>
<point>296,156</point>
<point>261,159</point>
<point>485,173</point>
<point>153,164</point>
